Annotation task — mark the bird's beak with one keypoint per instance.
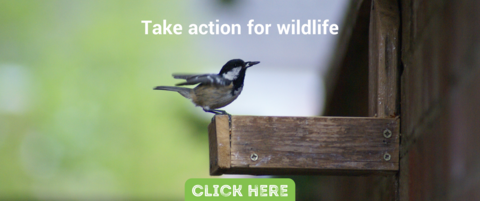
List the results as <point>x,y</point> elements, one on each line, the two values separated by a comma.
<point>249,64</point>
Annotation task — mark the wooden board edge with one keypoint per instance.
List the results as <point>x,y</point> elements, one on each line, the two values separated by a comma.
<point>219,142</point>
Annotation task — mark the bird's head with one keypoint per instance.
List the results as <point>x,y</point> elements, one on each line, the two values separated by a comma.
<point>233,68</point>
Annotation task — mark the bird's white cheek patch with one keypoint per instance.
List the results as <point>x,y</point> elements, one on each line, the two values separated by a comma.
<point>233,74</point>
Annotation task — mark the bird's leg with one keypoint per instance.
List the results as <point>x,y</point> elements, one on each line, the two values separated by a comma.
<point>211,111</point>
<point>222,112</point>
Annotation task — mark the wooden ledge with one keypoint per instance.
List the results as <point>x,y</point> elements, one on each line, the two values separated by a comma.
<point>263,145</point>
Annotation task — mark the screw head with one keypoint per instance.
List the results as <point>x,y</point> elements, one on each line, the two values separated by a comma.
<point>254,157</point>
<point>387,157</point>
<point>387,133</point>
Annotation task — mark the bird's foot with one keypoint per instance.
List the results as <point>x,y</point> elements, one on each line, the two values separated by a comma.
<point>221,112</point>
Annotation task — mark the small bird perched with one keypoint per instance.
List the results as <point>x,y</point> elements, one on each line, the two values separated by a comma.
<point>214,90</point>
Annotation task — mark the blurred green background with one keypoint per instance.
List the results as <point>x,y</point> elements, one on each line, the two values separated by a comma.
<point>78,116</point>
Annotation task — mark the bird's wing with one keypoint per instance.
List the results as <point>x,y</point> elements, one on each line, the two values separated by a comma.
<point>203,79</point>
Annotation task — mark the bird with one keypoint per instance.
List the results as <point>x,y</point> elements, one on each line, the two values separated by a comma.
<point>213,90</point>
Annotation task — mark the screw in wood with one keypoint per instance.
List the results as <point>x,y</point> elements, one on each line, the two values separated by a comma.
<point>387,133</point>
<point>387,157</point>
<point>254,157</point>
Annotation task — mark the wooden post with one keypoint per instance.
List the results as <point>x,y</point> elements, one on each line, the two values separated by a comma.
<point>383,59</point>
<point>384,73</point>
<point>303,145</point>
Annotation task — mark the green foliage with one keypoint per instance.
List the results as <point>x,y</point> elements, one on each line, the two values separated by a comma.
<point>90,126</point>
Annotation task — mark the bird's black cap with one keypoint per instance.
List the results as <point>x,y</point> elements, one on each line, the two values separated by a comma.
<point>237,63</point>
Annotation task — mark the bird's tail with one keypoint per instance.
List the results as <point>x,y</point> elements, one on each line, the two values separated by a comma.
<point>185,92</point>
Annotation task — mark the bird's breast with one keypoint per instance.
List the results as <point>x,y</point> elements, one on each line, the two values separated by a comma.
<point>214,96</point>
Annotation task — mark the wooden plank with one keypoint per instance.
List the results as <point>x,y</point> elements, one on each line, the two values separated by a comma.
<point>305,145</point>
<point>219,140</point>
<point>383,59</point>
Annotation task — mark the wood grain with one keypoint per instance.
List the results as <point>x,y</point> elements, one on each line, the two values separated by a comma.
<point>383,59</point>
<point>384,77</point>
<point>306,145</point>
<point>219,144</point>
